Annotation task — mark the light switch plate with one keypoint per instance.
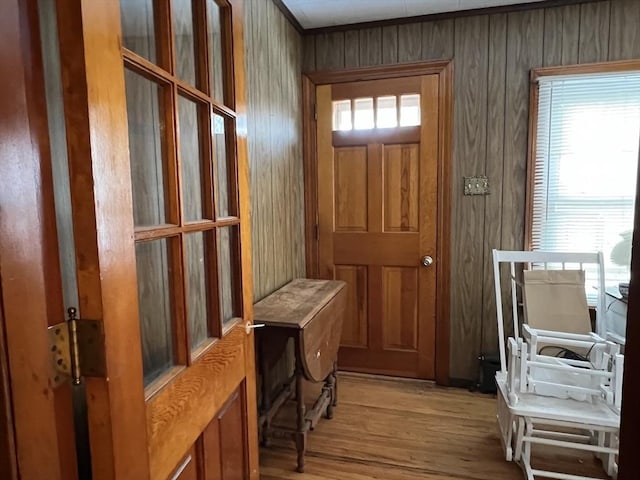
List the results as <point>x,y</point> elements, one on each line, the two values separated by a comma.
<point>478,185</point>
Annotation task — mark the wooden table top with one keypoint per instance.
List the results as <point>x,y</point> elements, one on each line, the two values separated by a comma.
<point>295,304</point>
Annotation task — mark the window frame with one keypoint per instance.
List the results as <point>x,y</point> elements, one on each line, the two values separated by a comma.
<point>163,72</point>
<point>536,74</point>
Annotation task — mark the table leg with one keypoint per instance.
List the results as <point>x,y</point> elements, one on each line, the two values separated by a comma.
<point>335,384</point>
<point>301,434</point>
<point>330,385</point>
<point>266,399</point>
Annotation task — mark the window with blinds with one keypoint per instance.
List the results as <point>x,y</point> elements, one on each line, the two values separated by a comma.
<point>584,176</point>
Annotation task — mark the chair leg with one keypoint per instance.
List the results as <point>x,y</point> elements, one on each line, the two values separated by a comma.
<point>519,434</point>
<point>526,449</point>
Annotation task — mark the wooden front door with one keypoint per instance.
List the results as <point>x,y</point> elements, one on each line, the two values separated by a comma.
<point>127,188</point>
<point>377,217</point>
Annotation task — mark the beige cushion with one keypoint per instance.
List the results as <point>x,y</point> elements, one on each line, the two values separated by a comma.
<point>556,300</point>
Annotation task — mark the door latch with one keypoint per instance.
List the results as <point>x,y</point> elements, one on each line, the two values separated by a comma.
<point>248,326</point>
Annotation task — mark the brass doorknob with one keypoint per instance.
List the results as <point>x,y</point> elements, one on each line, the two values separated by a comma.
<point>427,261</point>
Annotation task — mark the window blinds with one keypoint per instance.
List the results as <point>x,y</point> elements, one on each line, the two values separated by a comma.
<point>588,131</point>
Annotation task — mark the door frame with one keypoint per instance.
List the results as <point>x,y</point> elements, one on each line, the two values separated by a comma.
<point>444,70</point>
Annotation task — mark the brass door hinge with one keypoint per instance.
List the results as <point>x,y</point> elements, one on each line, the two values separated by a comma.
<point>77,349</point>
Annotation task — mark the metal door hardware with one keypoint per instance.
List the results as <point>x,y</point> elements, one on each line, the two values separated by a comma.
<point>427,261</point>
<point>77,349</point>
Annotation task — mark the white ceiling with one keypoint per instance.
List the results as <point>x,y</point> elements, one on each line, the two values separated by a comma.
<point>325,13</point>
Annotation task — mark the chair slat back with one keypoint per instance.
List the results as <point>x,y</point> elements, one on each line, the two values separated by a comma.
<point>527,260</point>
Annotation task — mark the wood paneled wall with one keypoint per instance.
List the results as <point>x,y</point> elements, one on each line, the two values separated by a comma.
<point>273,61</point>
<point>493,54</point>
<point>274,107</point>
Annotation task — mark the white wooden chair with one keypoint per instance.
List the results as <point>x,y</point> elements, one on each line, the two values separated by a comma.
<point>539,394</point>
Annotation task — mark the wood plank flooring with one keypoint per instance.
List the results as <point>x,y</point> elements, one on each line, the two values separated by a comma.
<point>392,429</point>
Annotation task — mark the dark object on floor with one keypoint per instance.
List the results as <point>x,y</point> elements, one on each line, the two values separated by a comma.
<point>489,365</point>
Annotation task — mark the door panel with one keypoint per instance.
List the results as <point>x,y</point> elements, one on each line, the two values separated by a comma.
<point>351,189</point>
<point>354,327</point>
<point>158,185</point>
<point>160,245</point>
<point>377,210</point>
<point>200,390</point>
<point>401,192</point>
<point>400,311</point>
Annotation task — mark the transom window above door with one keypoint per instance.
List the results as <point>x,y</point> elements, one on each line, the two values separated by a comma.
<point>385,111</point>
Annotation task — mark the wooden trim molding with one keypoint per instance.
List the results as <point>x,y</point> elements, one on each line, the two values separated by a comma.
<point>443,250</point>
<point>444,69</point>
<point>310,175</point>
<point>585,69</point>
<point>289,16</point>
<point>629,461</point>
<point>531,164</point>
<point>536,74</point>
<point>379,72</point>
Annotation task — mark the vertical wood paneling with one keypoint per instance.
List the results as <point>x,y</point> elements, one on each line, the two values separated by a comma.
<point>469,152</point>
<point>390,44</point>
<point>570,34</point>
<point>258,137</point>
<point>524,51</point>
<point>274,62</point>
<point>370,46</point>
<point>437,39</point>
<point>624,40</point>
<point>552,54</point>
<point>309,57</point>
<point>493,56</point>
<point>409,42</point>
<point>496,84</point>
<point>351,49</point>
<point>594,32</point>
<point>329,51</point>
<point>279,191</point>
<point>295,146</point>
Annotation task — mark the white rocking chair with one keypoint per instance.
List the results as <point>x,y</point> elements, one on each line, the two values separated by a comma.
<point>540,394</point>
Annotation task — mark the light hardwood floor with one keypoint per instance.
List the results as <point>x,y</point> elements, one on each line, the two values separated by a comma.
<point>392,429</point>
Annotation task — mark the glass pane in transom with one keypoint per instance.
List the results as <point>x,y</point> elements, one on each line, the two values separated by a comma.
<point>409,110</point>
<point>198,264</point>
<point>145,114</point>
<point>193,166</point>
<point>138,27</point>
<point>342,115</point>
<point>363,116</point>
<point>215,31</point>
<point>153,262</point>
<point>223,180</point>
<point>386,112</point>
<point>228,268</point>
<point>185,45</point>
